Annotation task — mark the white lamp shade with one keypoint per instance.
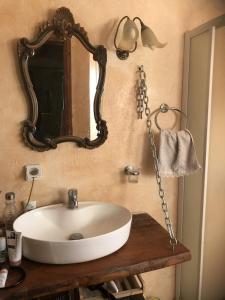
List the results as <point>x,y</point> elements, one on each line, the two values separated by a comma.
<point>129,36</point>
<point>149,39</point>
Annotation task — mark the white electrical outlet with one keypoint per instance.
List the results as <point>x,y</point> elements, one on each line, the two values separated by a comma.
<point>33,171</point>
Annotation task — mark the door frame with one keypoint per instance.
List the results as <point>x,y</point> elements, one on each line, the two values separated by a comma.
<point>209,26</point>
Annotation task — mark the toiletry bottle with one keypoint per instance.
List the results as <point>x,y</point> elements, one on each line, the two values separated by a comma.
<point>9,216</point>
<point>10,212</point>
<point>3,250</point>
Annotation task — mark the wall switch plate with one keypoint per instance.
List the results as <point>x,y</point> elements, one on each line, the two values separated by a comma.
<point>33,171</point>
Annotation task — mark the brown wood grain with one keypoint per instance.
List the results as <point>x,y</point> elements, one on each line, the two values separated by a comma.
<point>147,249</point>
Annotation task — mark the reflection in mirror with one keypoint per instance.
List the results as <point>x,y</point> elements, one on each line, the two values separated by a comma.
<point>84,79</point>
<point>47,73</point>
<point>64,77</point>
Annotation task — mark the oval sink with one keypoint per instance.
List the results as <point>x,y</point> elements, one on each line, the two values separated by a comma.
<point>97,229</point>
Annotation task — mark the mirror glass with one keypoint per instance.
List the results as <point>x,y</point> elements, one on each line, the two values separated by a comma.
<point>64,78</point>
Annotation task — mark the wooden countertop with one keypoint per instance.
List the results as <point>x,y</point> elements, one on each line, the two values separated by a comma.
<point>147,249</point>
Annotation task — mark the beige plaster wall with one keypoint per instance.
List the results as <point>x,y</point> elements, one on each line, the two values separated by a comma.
<point>98,173</point>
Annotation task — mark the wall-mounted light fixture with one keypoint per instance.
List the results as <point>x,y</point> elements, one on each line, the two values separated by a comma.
<point>129,37</point>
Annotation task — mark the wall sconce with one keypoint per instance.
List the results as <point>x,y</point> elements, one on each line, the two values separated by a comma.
<point>130,34</point>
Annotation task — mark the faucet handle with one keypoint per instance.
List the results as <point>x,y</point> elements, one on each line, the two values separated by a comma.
<point>72,198</point>
<point>72,193</point>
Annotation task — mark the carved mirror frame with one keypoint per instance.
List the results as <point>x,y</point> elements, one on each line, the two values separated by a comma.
<point>64,27</point>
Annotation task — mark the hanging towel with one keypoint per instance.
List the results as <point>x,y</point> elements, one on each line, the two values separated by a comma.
<point>177,155</point>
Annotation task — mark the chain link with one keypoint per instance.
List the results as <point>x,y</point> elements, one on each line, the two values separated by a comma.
<point>142,94</point>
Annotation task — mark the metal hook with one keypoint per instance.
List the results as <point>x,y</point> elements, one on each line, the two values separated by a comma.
<point>164,108</point>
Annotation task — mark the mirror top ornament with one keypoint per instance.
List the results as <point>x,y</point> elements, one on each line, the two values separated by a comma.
<point>51,120</point>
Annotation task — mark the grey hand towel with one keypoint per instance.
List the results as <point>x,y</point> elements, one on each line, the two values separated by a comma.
<point>177,155</point>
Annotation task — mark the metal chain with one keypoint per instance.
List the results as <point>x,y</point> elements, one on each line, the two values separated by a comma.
<point>142,94</point>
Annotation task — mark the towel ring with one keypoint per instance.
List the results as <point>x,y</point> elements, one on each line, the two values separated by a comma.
<point>164,108</point>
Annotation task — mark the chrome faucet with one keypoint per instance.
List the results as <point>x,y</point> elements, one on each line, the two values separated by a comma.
<point>72,199</point>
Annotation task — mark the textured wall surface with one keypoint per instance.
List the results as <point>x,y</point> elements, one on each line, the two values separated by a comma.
<point>97,174</point>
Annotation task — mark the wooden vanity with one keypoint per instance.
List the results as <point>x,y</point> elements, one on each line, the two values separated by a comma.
<point>147,249</point>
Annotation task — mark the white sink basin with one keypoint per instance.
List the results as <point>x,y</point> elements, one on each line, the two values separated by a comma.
<point>105,227</point>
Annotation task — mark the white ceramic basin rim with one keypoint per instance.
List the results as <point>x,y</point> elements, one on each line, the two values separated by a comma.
<point>105,228</point>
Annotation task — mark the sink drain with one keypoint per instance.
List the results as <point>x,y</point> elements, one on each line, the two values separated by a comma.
<point>76,236</point>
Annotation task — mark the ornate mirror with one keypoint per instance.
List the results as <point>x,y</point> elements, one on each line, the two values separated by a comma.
<point>64,77</point>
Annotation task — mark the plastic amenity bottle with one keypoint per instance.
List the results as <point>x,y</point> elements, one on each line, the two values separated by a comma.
<point>10,212</point>
<point>3,250</point>
<point>13,239</point>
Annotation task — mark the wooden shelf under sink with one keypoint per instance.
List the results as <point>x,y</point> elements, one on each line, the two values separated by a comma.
<point>147,249</point>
